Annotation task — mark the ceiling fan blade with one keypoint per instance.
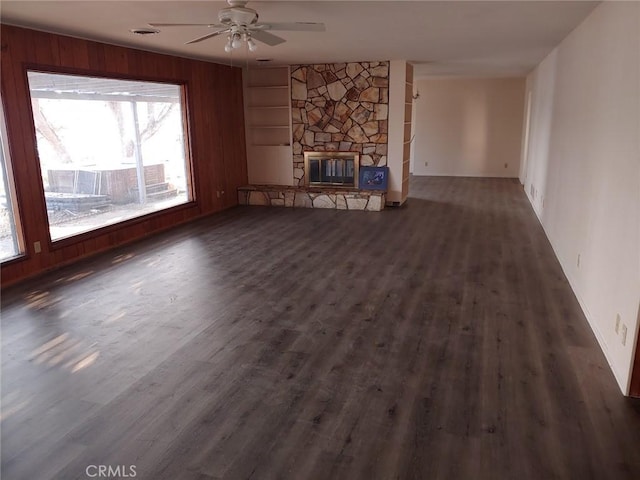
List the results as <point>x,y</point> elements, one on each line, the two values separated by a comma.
<point>209,35</point>
<point>210,25</point>
<point>294,27</point>
<point>266,37</point>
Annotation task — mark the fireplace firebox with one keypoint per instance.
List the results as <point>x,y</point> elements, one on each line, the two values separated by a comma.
<point>337,169</point>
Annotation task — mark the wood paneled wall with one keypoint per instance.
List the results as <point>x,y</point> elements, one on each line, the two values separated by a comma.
<point>216,127</point>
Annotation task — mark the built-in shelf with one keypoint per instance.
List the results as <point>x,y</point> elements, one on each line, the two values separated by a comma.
<point>272,145</point>
<point>275,117</point>
<point>272,107</point>
<point>408,110</point>
<point>267,97</point>
<point>258,87</point>
<point>268,125</point>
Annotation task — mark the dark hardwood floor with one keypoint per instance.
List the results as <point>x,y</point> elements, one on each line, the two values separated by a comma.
<point>439,340</point>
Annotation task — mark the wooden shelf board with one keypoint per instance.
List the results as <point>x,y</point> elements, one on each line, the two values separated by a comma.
<point>270,144</point>
<point>267,87</point>
<point>262,107</point>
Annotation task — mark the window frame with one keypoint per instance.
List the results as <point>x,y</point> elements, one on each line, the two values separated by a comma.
<point>190,177</point>
<point>11,190</point>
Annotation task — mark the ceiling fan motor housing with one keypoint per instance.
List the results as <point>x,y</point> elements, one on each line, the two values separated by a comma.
<point>237,16</point>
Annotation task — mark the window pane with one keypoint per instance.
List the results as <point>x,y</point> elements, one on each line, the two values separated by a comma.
<point>99,140</point>
<point>10,241</point>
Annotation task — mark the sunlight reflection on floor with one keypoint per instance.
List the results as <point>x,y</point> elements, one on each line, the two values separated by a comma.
<point>67,352</point>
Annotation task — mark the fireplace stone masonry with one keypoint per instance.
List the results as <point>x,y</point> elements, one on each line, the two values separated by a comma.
<point>309,197</point>
<point>341,107</point>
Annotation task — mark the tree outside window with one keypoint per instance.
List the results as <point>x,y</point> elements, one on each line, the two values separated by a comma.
<point>109,150</point>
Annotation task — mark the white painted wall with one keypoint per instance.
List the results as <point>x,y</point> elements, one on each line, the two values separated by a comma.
<point>468,126</point>
<point>582,173</point>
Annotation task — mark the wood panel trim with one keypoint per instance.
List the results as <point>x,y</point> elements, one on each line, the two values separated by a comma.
<point>213,114</point>
<point>114,227</point>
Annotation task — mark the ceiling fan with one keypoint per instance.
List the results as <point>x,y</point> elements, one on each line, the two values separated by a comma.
<point>241,25</point>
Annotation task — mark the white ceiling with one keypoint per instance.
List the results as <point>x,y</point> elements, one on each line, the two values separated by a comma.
<point>471,38</point>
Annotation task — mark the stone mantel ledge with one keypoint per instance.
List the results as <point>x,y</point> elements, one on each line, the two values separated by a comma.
<point>311,197</point>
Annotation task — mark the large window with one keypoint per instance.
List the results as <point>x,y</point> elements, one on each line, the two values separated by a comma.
<point>10,238</point>
<point>109,150</point>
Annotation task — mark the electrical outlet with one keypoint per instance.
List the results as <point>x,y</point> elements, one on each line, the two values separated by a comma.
<point>578,261</point>
<point>506,165</point>
<point>617,323</point>
<point>426,164</point>
<point>37,247</point>
<point>624,334</point>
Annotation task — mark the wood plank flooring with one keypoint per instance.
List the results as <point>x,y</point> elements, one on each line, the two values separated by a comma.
<point>439,340</point>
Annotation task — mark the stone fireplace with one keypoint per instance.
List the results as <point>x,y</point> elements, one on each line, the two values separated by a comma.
<point>340,122</point>
<point>339,107</point>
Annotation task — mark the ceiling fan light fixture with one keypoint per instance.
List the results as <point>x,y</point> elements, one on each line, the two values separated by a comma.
<point>240,25</point>
<point>236,42</point>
